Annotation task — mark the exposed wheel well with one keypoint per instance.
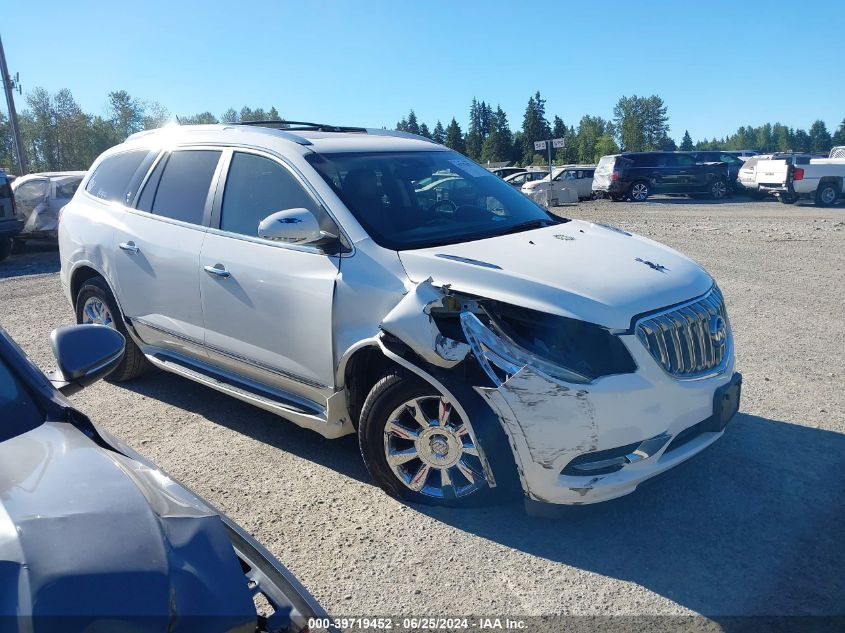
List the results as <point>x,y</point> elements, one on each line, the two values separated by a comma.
<point>834,180</point>
<point>362,371</point>
<point>80,276</point>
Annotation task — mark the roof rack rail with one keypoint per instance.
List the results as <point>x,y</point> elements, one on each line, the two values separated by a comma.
<point>304,126</point>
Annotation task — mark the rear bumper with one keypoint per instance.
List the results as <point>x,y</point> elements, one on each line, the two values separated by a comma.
<point>550,425</point>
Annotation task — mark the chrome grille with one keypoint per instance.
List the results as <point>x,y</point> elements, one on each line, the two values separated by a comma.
<point>690,340</point>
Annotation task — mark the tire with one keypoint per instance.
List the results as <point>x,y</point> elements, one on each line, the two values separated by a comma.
<point>134,362</point>
<point>5,248</point>
<point>788,198</point>
<point>19,245</point>
<point>718,189</point>
<point>639,191</point>
<point>826,194</point>
<point>391,394</point>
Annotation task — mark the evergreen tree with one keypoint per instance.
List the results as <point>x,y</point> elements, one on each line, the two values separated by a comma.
<point>230,116</point>
<point>497,146</point>
<point>424,131</point>
<point>454,137</point>
<point>801,141</point>
<point>474,137</point>
<point>439,134</point>
<point>820,140</point>
<point>198,119</point>
<point>686,143</point>
<point>839,135</point>
<point>535,127</point>
<point>413,126</point>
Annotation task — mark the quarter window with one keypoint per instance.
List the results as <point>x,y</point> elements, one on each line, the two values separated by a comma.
<point>257,187</point>
<point>110,181</point>
<point>183,189</point>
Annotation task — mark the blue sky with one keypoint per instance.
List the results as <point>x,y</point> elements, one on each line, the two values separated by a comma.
<point>718,65</point>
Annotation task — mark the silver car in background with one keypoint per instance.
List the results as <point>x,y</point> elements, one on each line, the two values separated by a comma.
<point>40,198</point>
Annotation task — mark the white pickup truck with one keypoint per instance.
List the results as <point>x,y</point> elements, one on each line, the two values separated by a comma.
<point>821,179</point>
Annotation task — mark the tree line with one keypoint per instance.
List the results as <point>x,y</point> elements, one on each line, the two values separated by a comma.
<point>638,124</point>
<point>58,135</point>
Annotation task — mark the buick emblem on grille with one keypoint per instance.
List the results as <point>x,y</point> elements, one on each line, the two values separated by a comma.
<point>718,330</point>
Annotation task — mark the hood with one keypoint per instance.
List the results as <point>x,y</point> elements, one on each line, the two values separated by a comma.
<point>577,269</point>
<point>90,533</point>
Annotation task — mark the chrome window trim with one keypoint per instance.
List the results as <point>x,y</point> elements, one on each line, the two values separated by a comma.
<point>300,178</point>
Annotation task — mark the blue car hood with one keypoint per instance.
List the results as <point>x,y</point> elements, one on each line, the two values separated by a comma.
<point>95,538</point>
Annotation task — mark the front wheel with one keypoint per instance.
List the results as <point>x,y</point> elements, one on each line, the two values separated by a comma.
<point>718,189</point>
<point>417,447</point>
<point>639,192</point>
<point>826,194</point>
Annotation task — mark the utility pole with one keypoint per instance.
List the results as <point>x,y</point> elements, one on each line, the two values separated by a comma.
<point>9,87</point>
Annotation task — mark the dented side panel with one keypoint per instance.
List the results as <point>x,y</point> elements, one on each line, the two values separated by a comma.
<point>412,323</point>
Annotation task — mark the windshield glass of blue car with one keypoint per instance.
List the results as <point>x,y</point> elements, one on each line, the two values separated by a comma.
<point>18,411</point>
<point>408,200</point>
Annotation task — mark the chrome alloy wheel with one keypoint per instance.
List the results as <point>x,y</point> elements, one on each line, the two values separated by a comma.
<point>719,189</point>
<point>96,311</point>
<point>639,192</point>
<point>430,450</point>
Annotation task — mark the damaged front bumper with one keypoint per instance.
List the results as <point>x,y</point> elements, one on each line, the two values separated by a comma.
<point>576,438</point>
<point>577,443</point>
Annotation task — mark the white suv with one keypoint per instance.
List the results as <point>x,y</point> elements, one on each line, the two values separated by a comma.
<point>365,281</point>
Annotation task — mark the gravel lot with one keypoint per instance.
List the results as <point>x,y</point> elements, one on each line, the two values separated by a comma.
<point>754,525</point>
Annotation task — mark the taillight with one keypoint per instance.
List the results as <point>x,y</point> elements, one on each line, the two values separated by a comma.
<point>614,176</point>
<point>798,173</point>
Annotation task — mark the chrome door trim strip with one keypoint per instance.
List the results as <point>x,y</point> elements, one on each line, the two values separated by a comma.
<point>237,357</point>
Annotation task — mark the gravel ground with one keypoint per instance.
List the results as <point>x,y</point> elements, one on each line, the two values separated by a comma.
<point>754,525</point>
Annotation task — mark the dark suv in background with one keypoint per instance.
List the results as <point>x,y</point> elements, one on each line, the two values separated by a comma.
<point>637,175</point>
<point>730,159</point>
<point>10,224</point>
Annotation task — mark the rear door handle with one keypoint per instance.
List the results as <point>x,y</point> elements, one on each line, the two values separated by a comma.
<point>218,270</point>
<point>129,247</point>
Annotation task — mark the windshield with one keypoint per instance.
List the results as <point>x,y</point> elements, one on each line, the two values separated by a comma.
<point>18,412</point>
<point>408,200</point>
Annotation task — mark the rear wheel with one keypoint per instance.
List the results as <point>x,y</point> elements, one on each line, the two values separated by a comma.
<point>718,189</point>
<point>787,198</point>
<point>639,191</point>
<point>96,304</point>
<point>416,445</point>
<point>826,194</point>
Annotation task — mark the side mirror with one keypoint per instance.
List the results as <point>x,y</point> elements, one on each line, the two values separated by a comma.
<point>292,226</point>
<point>85,354</point>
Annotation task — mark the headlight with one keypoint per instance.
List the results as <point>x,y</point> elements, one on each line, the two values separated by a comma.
<point>508,338</point>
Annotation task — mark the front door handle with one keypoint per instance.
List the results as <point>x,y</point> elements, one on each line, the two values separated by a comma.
<point>129,247</point>
<point>218,270</point>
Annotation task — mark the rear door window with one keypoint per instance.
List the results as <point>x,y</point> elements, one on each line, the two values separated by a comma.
<point>111,180</point>
<point>182,192</point>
